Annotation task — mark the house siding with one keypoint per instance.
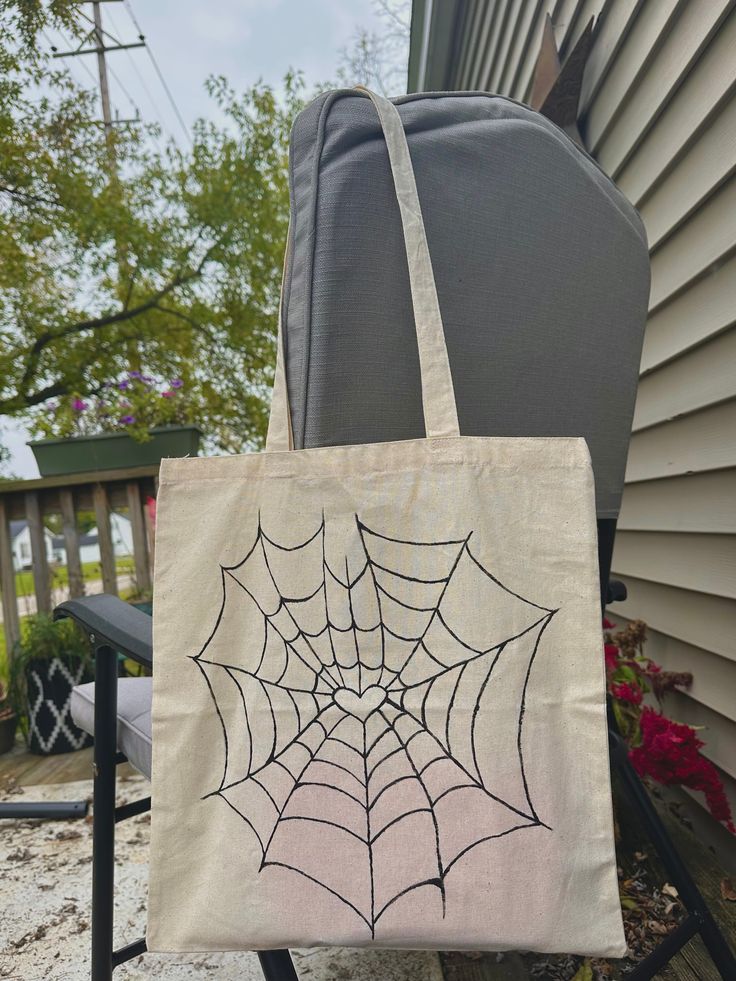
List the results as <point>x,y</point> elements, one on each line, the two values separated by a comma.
<point>658,112</point>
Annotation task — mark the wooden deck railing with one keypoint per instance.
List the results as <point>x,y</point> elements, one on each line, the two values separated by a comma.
<point>101,492</point>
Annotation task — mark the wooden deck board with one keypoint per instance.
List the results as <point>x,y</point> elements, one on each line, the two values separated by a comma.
<point>28,770</point>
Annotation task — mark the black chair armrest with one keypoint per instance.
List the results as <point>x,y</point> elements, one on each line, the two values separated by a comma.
<point>616,592</point>
<point>112,623</point>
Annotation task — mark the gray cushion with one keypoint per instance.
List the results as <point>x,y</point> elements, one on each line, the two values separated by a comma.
<point>134,718</point>
<point>541,266</point>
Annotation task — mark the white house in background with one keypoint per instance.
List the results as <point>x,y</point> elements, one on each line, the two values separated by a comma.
<point>89,546</point>
<point>122,539</point>
<point>20,544</point>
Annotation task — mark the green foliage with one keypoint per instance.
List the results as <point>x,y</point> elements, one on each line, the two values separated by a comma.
<point>42,639</point>
<point>126,253</point>
<point>6,707</point>
<point>45,639</point>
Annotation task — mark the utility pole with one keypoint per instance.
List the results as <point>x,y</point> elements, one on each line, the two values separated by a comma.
<point>100,49</point>
<point>97,34</point>
<point>104,87</point>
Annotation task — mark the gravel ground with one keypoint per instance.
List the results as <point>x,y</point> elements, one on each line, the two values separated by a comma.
<point>44,909</point>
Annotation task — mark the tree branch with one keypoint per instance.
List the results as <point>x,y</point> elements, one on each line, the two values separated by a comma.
<point>97,323</point>
<point>20,402</point>
<point>28,197</point>
<point>259,361</point>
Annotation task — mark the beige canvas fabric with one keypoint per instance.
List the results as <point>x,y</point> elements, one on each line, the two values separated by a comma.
<point>378,711</point>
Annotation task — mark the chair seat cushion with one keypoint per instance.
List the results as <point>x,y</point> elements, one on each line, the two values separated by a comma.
<point>134,718</point>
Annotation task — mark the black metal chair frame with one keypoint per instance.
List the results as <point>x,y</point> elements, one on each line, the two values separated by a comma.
<point>114,626</point>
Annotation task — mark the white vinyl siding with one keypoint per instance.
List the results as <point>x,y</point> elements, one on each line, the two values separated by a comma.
<point>658,111</point>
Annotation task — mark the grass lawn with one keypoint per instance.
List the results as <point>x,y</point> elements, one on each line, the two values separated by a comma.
<point>60,577</point>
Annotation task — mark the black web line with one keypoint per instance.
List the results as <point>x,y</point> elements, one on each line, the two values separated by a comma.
<point>268,617</point>
<point>247,721</point>
<point>395,690</point>
<point>521,717</point>
<point>430,804</point>
<point>297,780</point>
<point>256,677</point>
<point>475,782</point>
<point>368,565</point>
<point>271,757</point>
<point>327,612</point>
<point>445,580</point>
<point>368,832</point>
<point>306,875</point>
<point>480,841</point>
<point>282,605</point>
<point>476,654</point>
<point>353,625</point>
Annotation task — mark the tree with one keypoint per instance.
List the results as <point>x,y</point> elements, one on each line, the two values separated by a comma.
<point>171,262</point>
<point>378,59</point>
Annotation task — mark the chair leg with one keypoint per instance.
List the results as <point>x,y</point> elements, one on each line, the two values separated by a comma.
<point>103,828</point>
<point>277,965</point>
<point>702,920</point>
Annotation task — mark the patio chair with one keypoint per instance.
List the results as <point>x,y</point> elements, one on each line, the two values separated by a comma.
<point>543,277</point>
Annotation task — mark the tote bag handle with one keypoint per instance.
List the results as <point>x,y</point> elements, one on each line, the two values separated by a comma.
<point>438,395</point>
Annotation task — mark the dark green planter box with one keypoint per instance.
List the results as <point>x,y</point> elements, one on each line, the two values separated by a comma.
<point>113,451</point>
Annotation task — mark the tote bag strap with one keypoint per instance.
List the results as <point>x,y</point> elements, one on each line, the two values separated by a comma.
<point>438,394</point>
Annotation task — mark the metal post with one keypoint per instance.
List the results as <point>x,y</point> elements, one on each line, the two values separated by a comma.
<point>103,828</point>
<point>277,965</point>
<point>689,893</point>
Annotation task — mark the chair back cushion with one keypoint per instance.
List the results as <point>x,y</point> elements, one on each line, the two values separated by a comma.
<point>541,266</point>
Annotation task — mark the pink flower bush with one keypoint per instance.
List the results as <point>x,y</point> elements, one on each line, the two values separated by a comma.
<point>665,751</point>
<point>134,403</point>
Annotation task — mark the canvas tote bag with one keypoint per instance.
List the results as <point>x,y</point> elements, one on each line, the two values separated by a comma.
<point>378,710</point>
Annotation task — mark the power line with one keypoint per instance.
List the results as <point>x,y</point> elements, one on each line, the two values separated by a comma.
<point>91,76</point>
<point>134,105</point>
<point>82,63</point>
<point>158,71</point>
<point>140,77</point>
<point>133,18</point>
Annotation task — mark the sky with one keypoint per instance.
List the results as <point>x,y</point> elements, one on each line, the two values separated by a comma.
<point>245,40</point>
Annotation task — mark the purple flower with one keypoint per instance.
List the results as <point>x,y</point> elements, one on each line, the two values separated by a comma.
<point>134,374</point>
<point>127,420</point>
<point>177,383</point>
<point>52,407</point>
<point>79,405</point>
<point>147,379</point>
<point>124,385</point>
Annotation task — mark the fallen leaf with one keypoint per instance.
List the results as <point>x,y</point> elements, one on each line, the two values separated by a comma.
<point>583,973</point>
<point>669,890</point>
<point>728,891</point>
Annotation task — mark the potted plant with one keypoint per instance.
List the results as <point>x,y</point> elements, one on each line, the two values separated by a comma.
<point>8,721</point>
<point>132,421</point>
<point>49,660</point>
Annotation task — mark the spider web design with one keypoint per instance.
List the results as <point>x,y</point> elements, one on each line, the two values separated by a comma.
<point>350,724</point>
